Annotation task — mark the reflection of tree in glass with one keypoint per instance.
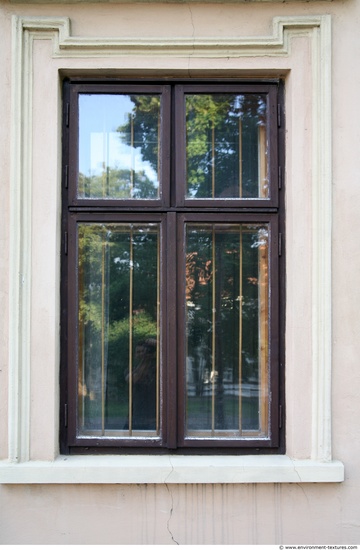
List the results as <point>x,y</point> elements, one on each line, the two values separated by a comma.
<point>106,267</point>
<point>142,131</point>
<point>222,144</point>
<point>222,140</point>
<point>135,171</point>
<point>234,285</point>
<point>142,128</point>
<point>226,294</point>
<point>117,183</point>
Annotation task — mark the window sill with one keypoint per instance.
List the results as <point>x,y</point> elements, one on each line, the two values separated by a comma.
<point>172,469</point>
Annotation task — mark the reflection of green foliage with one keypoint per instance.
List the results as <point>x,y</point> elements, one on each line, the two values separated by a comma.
<point>144,120</point>
<point>142,131</point>
<point>221,129</point>
<point>144,327</point>
<point>228,256</point>
<point>118,184</point>
<point>213,143</point>
<point>206,117</point>
<point>111,257</point>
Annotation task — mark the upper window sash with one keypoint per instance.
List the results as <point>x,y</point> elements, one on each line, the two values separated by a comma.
<point>227,150</point>
<point>119,145</point>
<point>225,140</point>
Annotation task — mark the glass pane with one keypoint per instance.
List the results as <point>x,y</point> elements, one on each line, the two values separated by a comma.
<point>118,282</point>
<point>226,147</point>
<point>227,296</point>
<point>119,146</point>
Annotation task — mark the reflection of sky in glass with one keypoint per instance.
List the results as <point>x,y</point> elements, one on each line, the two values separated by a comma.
<point>100,144</point>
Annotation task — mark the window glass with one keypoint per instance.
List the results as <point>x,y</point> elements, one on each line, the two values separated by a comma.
<point>226,146</point>
<point>227,294</point>
<point>119,146</point>
<point>118,285</point>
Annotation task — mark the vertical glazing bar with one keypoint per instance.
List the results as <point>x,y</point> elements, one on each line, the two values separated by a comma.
<point>263,334</point>
<point>263,191</point>
<point>213,160</point>
<point>240,324</point>
<point>103,333</point>
<point>107,191</point>
<point>213,343</point>
<point>104,155</point>
<point>240,158</point>
<point>81,253</point>
<point>132,154</point>
<point>158,337</point>
<point>131,298</point>
<point>159,145</point>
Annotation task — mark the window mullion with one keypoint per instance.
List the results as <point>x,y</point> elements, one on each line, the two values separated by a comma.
<point>170,328</point>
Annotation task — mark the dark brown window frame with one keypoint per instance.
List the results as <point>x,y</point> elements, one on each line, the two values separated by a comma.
<point>171,210</point>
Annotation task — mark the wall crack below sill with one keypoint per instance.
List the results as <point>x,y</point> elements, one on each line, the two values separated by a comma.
<point>172,503</point>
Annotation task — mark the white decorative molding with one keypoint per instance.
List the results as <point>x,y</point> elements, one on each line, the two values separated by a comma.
<point>27,29</point>
<point>321,242</point>
<point>67,46</point>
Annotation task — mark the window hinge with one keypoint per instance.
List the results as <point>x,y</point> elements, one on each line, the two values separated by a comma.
<point>65,415</point>
<point>280,177</point>
<point>280,416</point>
<point>66,176</point>
<point>279,115</point>
<point>280,244</point>
<point>67,114</point>
<point>65,242</point>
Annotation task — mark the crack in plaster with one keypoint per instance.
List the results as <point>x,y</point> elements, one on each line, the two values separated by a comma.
<point>172,503</point>
<point>297,473</point>
<point>302,489</point>
<point>192,21</point>
<point>193,37</point>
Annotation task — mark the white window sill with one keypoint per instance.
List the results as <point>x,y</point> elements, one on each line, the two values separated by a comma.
<point>172,469</point>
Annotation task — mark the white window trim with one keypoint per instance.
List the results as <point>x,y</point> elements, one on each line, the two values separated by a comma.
<point>18,468</point>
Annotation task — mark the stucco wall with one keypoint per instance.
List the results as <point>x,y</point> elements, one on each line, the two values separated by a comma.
<point>161,513</point>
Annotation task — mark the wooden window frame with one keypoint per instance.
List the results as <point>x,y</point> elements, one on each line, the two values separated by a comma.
<point>171,210</point>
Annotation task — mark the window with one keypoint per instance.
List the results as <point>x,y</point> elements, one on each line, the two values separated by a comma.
<point>172,264</point>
